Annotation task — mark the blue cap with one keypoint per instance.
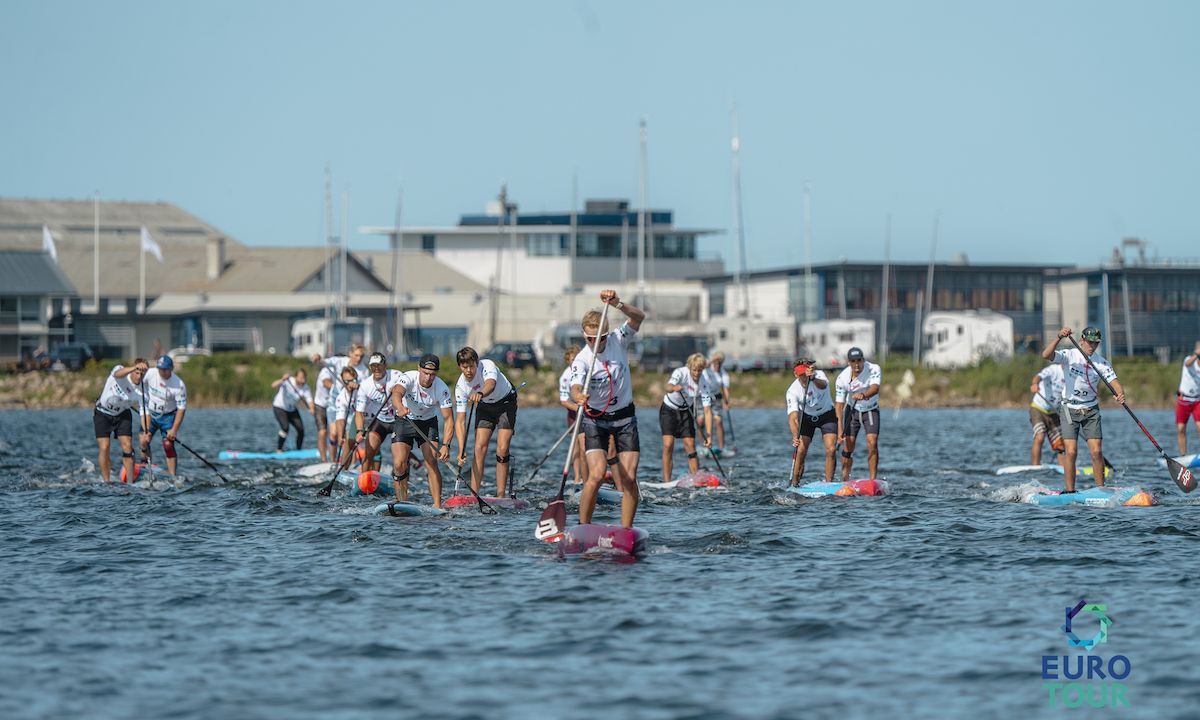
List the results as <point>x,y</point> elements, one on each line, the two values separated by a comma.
<point>166,363</point>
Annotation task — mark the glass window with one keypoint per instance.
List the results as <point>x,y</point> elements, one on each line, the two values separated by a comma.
<point>429,243</point>
<point>716,299</point>
<point>30,307</point>
<point>543,244</point>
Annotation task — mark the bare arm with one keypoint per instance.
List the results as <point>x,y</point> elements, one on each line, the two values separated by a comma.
<point>1048,351</point>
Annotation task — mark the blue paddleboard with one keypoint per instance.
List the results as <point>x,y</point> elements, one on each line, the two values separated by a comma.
<point>407,509</point>
<point>310,454</point>
<point>1095,496</point>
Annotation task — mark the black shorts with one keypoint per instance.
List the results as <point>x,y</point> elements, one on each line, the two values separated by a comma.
<point>501,415</point>
<point>106,425</point>
<point>407,435</point>
<point>675,422</point>
<point>380,428</point>
<point>596,434</point>
<point>825,422</point>
<point>852,420</point>
<point>321,417</point>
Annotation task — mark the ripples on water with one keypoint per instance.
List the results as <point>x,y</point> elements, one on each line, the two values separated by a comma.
<point>259,599</point>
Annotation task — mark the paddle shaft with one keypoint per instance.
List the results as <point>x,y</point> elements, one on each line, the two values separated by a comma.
<point>201,459</point>
<point>463,449</point>
<point>328,489</point>
<point>799,422</point>
<point>483,506</point>
<point>549,452</point>
<point>704,436</point>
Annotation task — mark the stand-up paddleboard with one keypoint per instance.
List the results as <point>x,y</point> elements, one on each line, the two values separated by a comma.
<point>605,495</point>
<point>701,479</point>
<point>840,489</point>
<point>407,509</point>
<point>602,540</point>
<point>1188,461</point>
<point>1096,497</point>
<point>1085,470</point>
<point>457,501</point>
<point>721,453</point>
<point>310,454</point>
<point>356,488</point>
<point>141,468</point>
<point>316,469</point>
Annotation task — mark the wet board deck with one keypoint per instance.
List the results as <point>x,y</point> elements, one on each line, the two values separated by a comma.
<point>701,479</point>
<point>406,509</point>
<point>1095,497</point>
<point>841,489</point>
<point>593,539</point>
<point>456,501</point>
<point>606,495</point>
<point>310,454</point>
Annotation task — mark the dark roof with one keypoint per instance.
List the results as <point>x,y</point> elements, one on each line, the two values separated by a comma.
<point>31,273</point>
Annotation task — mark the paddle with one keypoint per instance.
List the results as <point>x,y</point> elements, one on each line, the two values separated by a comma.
<point>792,479</point>
<point>728,415</point>
<point>554,518</point>
<point>512,486</point>
<point>328,489</point>
<point>549,452</point>
<point>466,437</point>
<point>201,459</point>
<point>483,506</point>
<point>147,460</point>
<point>1181,475</point>
<point>1107,465</point>
<point>704,436</point>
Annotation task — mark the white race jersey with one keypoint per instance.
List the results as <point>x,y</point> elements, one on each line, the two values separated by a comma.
<point>816,403</point>
<point>691,388</point>
<point>335,365</point>
<point>612,387</point>
<point>1082,384</point>
<point>486,370</point>
<point>1050,389</point>
<point>164,396</point>
<point>374,396</point>
<point>119,394</point>
<point>846,387</point>
<point>323,394</point>
<point>564,385</point>
<point>716,380</point>
<point>342,404</point>
<point>289,395</point>
<point>1189,382</point>
<point>423,402</point>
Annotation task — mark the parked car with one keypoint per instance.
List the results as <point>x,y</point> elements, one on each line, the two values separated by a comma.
<point>182,354</point>
<point>71,356</point>
<point>514,355</point>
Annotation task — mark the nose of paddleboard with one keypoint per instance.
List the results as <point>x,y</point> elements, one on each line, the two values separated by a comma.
<point>1140,499</point>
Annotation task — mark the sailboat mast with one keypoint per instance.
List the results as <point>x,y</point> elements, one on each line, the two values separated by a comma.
<point>739,235</point>
<point>641,259</point>
<point>883,300</point>
<point>327,275</point>
<point>397,292</point>
<point>343,301</point>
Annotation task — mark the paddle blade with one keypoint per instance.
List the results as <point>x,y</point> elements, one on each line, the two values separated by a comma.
<point>1182,476</point>
<point>553,521</point>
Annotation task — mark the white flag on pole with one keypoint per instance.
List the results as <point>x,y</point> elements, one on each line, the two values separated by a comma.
<point>48,243</point>
<point>148,245</point>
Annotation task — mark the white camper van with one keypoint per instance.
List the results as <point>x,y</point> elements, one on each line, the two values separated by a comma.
<point>753,343</point>
<point>828,341</point>
<point>959,339</point>
<point>316,335</point>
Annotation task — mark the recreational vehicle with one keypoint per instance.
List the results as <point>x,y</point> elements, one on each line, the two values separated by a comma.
<point>828,341</point>
<point>959,339</point>
<point>753,343</point>
<point>326,337</point>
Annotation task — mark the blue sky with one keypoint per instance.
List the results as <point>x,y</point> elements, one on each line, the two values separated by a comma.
<point>1041,131</point>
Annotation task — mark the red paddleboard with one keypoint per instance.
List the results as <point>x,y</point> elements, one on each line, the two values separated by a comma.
<point>455,501</point>
<point>700,479</point>
<point>603,540</point>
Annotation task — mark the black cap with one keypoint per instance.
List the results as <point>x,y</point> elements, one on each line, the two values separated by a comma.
<point>429,361</point>
<point>1091,334</point>
<point>855,354</point>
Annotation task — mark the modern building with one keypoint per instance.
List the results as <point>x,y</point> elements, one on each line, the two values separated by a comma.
<point>33,292</point>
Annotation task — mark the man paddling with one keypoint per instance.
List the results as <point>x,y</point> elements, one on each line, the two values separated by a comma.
<point>1080,411</point>
<point>564,399</point>
<point>1047,389</point>
<point>374,411</point>
<point>163,411</point>
<point>608,406</point>
<point>113,415</point>
<point>809,409</point>
<point>421,395</point>
<point>343,404</point>
<point>857,407</point>
<point>1187,401</point>
<point>677,414</point>
<point>329,380</point>
<point>717,377</point>
<point>290,392</point>
<point>483,385</point>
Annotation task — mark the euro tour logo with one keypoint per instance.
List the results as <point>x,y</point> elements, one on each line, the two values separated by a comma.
<point>1087,679</point>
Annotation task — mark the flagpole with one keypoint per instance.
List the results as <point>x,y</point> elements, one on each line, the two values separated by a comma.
<point>96,252</point>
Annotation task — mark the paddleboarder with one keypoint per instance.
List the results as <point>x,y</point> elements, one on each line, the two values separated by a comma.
<point>1187,402</point>
<point>1080,410</point>
<point>163,411</point>
<point>717,377</point>
<point>113,414</point>
<point>322,404</point>
<point>1047,388</point>
<point>339,439</point>
<point>857,407</point>
<point>564,399</point>
<point>608,406</point>
<point>677,413</point>
<point>290,392</point>
<point>810,408</point>
<point>495,399</point>
<point>374,412</point>
<point>420,398</point>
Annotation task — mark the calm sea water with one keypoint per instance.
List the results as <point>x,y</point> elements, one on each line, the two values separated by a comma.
<point>258,599</point>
